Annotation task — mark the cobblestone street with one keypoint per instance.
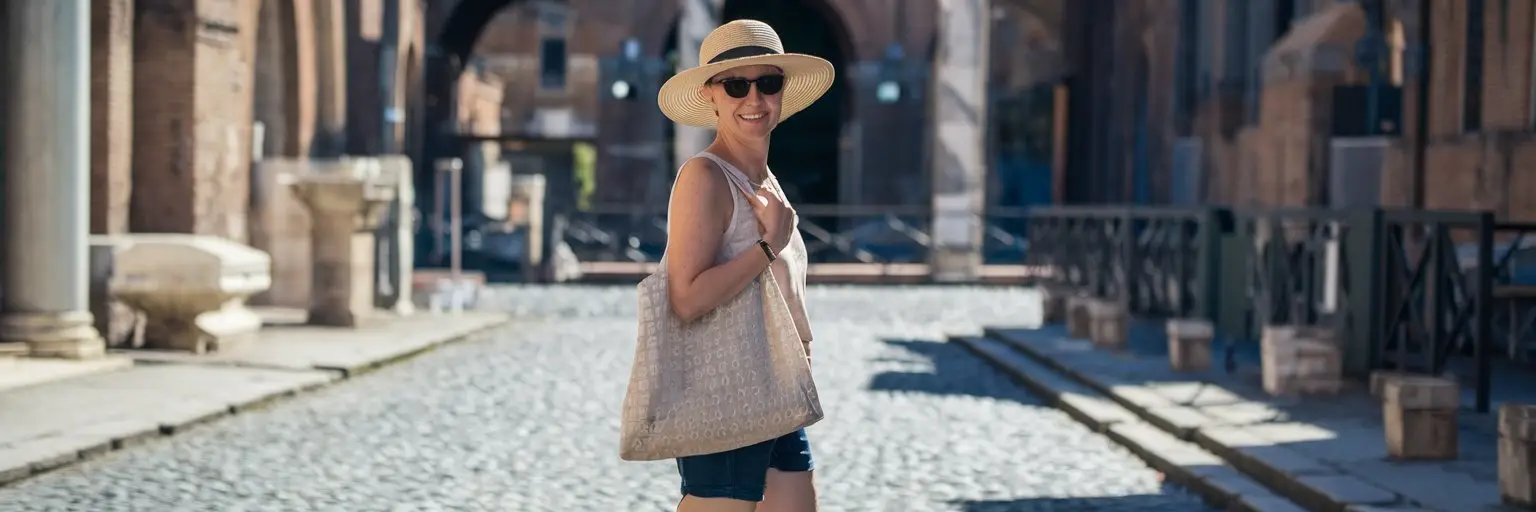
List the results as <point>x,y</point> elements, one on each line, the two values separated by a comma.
<point>525,419</point>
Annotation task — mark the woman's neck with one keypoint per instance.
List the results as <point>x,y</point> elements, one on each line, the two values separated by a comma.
<point>750,156</point>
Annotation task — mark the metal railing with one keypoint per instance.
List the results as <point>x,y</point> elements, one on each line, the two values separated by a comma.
<point>1404,289</point>
<point>1149,259</point>
<point>878,235</point>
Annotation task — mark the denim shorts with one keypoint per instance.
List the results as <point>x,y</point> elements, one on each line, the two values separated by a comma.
<point>743,473</point>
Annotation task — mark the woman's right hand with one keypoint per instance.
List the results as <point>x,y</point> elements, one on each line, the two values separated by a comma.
<point>775,219</point>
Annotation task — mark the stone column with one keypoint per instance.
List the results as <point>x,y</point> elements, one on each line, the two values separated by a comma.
<point>697,19</point>
<point>47,97</point>
<point>344,211</point>
<point>960,129</point>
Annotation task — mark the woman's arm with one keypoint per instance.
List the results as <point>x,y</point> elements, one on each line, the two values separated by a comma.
<point>697,218</point>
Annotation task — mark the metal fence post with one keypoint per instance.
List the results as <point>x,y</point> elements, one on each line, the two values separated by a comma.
<point>1484,319</point>
<point>1128,267</point>
<point>1366,267</point>
<point>1214,224</point>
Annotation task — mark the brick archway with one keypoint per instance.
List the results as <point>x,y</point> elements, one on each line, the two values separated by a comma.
<point>656,30</point>
<point>452,27</point>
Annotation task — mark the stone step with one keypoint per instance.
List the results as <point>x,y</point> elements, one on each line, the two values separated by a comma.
<point>12,350</point>
<point>1182,462</point>
<point>1299,476</point>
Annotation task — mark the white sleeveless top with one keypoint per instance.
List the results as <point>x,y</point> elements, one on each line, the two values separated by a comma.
<point>742,234</point>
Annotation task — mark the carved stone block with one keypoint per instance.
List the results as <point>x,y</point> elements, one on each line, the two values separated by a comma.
<point>1189,344</point>
<point>1419,417</point>
<point>1517,430</point>
<point>192,289</point>
<point>1300,360</point>
<point>1109,324</point>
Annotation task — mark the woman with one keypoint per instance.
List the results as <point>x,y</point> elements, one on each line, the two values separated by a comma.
<point>728,220</point>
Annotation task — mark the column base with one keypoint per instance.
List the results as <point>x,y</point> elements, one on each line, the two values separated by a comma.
<point>954,266</point>
<point>70,335</point>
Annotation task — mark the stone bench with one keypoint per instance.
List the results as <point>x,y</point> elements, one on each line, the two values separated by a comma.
<point>1300,360</point>
<point>192,289</point>
<point>1189,344</point>
<point>1419,417</point>
<point>1517,434</point>
<point>1109,324</point>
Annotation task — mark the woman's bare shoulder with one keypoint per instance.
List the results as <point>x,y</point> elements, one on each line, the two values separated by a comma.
<point>701,184</point>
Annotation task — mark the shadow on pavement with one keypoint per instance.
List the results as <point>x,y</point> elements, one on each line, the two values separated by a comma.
<point>1137,502</point>
<point>945,369</point>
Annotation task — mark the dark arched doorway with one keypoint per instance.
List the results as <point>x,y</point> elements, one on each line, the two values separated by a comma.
<point>806,150</point>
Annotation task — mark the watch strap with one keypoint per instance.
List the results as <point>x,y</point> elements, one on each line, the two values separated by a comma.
<point>767,250</point>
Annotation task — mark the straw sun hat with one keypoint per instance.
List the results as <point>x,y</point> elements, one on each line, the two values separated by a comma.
<point>733,45</point>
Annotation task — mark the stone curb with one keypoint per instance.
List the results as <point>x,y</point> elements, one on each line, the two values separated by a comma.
<point>1314,491</point>
<point>46,454</point>
<point>1219,485</point>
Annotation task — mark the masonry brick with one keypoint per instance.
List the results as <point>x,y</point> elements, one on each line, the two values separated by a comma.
<point>192,116</point>
<point>111,114</point>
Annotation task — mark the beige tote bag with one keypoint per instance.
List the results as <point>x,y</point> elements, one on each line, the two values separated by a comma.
<point>735,377</point>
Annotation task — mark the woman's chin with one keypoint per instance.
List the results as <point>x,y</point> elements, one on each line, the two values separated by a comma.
<point>756,130</point>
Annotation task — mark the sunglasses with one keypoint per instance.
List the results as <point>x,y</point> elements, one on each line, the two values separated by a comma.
<point>738,88</point>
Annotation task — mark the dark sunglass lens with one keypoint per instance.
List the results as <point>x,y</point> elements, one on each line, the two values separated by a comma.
<point>770,85</point>
<point>736,87</point>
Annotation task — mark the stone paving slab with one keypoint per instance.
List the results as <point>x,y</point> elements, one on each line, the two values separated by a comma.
<point>1326,454</point>
<point>21,372</point>
<point>54,424</point>
<point>1184,463</point>
<point>58,423</point>
<point>348,351</point>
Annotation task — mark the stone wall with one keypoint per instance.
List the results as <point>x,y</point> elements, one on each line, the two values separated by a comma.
<point>111,114</point>
<point>1492,166</point>
<point>192,111</point>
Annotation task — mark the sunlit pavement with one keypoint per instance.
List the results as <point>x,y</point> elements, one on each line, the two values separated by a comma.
<point>526,418</point>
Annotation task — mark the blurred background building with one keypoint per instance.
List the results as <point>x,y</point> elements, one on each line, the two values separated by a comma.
<point>1425,103</point>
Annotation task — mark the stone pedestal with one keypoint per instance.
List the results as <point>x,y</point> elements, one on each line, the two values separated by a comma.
<point>344,211</point>
<point>1189,344</point>
<point>1053,303</point>
<point>526,213</point>
<point>397,242</point>
<point>1300,360</point>
<point>1419,417</point>
<point>1078,321</point>
<point>1517,459</point>
<point>1109,324</point>
<point>192,289</point>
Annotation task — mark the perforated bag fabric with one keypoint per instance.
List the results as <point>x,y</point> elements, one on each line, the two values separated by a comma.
<point>734,377</point>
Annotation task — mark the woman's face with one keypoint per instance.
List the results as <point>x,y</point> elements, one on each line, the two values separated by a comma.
<point>753,114</point>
